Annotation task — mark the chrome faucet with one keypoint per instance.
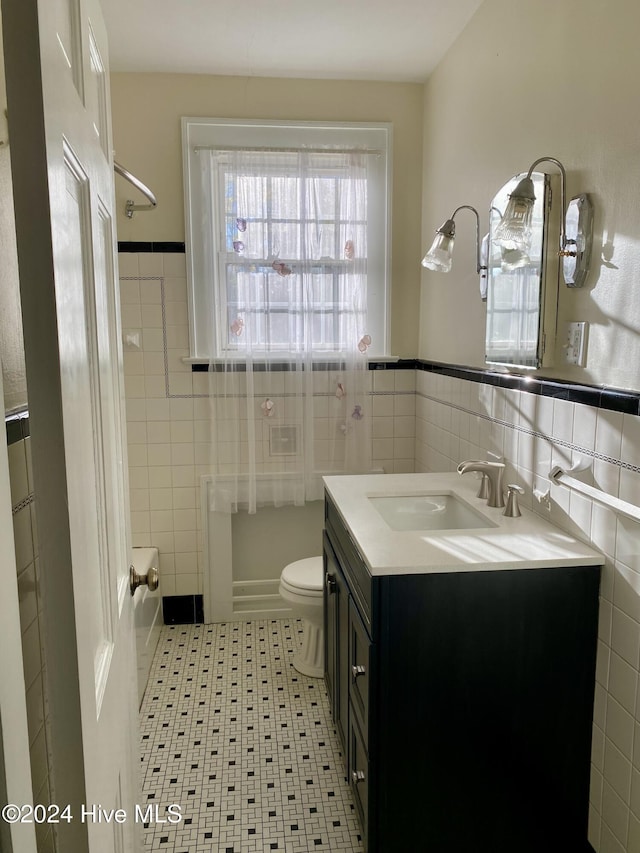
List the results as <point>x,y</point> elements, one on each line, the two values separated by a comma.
<point>493,471</point>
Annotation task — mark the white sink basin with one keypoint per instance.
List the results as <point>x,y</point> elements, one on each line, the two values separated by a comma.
<point>428,512</point>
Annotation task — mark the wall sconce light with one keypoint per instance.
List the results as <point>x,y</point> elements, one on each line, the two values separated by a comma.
<point>510,259</point>
<point>513,234</point>
<point>440,255</point>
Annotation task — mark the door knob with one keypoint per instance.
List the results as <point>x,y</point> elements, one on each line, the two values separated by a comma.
<point>357,670</point>
<point>357,776</point>
<point>330,582</point>
<point>151,579</point>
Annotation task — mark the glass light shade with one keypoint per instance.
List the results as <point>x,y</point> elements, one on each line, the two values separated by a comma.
<point>513,259</point>
<point>514,230</point>
<point>440,255</point>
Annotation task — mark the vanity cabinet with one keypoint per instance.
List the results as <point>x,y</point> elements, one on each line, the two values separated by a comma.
<point>464,701</point>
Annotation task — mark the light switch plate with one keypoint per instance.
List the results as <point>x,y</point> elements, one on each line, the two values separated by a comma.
<point>575,343</point>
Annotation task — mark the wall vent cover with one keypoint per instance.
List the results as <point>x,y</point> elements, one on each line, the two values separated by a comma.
<point>283,440</point>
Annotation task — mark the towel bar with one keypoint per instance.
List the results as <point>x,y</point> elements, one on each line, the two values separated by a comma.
<point>560,477</point>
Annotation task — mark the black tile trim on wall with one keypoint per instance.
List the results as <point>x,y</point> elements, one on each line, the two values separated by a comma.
<point>183,609</point>
<point>400,364</point>
<point>600,397</point>
<point>627,402</point>
<point>17,427</point>
<point>285,366</point>
<point>128,246</point>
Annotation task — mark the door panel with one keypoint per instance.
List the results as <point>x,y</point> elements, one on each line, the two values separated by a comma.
<point>68,24</point>
<point>98,102</point>
<point>359,667</point>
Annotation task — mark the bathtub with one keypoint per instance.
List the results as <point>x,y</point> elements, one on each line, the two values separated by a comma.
<point>147,616</point>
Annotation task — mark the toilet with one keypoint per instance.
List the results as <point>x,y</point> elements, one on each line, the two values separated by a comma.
<point>301,587</point>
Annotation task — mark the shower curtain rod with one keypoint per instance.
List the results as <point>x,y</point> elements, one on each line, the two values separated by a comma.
<point>130,207</point>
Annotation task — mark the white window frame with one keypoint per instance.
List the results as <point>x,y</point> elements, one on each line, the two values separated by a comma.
<point>218,133</point>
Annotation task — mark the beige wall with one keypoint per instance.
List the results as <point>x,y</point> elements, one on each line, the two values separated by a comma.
<point>524,80</point>
<point>146,130</point>
<point>283,534</point>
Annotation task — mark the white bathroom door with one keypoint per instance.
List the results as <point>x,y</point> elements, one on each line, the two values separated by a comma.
<point>60,136</point>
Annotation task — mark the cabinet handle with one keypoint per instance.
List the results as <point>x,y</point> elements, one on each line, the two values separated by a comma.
<point>357,776</point>
<point>330,581</point>
<point>357,670</point>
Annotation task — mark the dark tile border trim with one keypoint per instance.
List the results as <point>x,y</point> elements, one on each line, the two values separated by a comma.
<point>400,364</point>
<point>17,427</point>
<point>612,399</point>
<point>285,366</point>
<point>176,248</point>
<point>182,609</point>
<point>627,402</point>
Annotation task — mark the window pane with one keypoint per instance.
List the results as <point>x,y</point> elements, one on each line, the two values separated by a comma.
<point>274,310</point>
<point>323,331</point>
<point>322,290</point>
<point>254,238</point>
<point>357,235</point>
<point>282,291</point>
<point>284,197</point>
<point>320,198</point>
<point>279,331</point>
<point>321,240</point>
<point>285,241</point>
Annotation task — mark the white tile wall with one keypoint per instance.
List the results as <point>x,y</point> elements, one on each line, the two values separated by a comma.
<point>168,417</point>
<point>456,420</point>
<point>28,567</point>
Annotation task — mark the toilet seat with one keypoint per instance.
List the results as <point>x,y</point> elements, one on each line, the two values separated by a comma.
<point>304,576</point>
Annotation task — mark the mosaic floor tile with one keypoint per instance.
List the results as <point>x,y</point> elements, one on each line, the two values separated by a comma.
<point>243,743</point>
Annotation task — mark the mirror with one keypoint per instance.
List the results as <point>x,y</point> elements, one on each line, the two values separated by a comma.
<point>521,309</point>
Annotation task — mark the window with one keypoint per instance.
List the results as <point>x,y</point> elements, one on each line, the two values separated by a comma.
<point>287,230</point>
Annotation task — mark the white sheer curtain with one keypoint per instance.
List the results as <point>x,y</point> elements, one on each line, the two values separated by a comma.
<point>288,375</point>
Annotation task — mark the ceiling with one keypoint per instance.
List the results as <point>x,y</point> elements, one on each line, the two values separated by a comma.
<point>397,41</point>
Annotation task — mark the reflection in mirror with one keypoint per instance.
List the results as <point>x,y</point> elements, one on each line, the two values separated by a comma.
<point>516,293</point>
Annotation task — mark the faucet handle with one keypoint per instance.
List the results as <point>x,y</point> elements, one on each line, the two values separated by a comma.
<point>512,509</point>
